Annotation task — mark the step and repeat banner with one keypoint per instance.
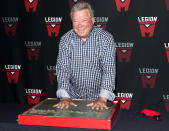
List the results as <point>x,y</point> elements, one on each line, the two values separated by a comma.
<point>30,31</point>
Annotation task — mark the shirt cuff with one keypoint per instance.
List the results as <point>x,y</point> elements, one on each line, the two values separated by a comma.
<point>62,93</point>
<point>107,94</point>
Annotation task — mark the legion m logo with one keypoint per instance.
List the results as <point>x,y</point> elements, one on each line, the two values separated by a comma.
<point>10,25</point>
<point>52,74</point>
<point>147,25</point>
<point>12,72</point>
<point>148,76</point>
<point>124,51</point>
<point>125,100</point>
<point>53,25</point>
<point>166,101</point>
<point>167,50</point>
<point>33,49</point>
<point>33,96</point>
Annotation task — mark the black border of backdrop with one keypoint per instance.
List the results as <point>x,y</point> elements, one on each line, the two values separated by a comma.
<point>30,53</point>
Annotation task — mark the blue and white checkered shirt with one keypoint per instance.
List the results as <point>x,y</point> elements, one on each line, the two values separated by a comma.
<point>86,70</point>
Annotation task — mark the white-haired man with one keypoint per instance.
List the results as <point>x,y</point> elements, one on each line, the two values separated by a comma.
<point>86,61</point>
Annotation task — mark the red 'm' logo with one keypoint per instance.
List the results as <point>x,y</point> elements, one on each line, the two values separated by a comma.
<point>10,27</point>
<point>33,98</point>
<point>167,52</point>
<point>148,79</point>
<point>124,53</point>
<point>12,75</point>
<point>167,4</point>
<point>167,105</point>
<point>31,4</point>
<point>124,103</point>
<point>52,76</point>
<point>122,4</point>
<point>53,27</point>
<point>147,27</point>
<point>33,51</point>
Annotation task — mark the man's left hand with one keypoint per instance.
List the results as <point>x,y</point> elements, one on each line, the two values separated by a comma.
<point>99,104</point>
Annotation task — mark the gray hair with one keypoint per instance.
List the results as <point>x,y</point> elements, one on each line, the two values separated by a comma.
<point>81,6</point>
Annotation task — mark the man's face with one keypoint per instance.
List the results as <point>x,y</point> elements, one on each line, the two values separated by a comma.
<point>82,23</point>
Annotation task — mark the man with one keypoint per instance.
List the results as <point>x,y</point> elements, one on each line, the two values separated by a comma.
<point>86,61</point>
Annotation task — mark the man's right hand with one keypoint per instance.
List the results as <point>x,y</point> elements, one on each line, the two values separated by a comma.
<point>64,103</point>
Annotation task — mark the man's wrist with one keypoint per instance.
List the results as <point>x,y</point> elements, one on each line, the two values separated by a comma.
<point>102,99</point>
<point>65,99</point>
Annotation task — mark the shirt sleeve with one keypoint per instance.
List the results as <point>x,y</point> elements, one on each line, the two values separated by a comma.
<point>62,93</point>
<point>107,94</point>
<point>63,70</point>
<point>108,62</point>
